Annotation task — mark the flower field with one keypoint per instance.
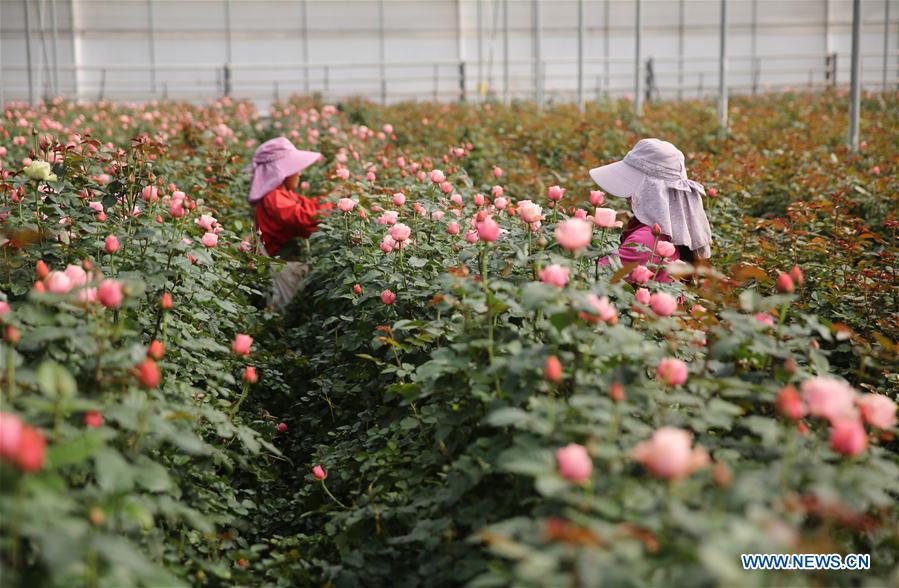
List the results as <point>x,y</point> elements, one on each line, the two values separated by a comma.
<point>459,394</point>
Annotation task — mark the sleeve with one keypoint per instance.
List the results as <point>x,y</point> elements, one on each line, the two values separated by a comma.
<point>299,214</point>
<point>627,253</point>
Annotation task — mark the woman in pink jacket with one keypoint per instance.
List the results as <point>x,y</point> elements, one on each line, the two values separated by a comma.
<point>653,177</point>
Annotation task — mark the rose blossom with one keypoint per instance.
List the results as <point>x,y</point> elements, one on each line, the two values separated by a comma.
<point>604,218</point>
<point>672,371</point>
<point>488,230</point>
<point>643,297</point>
<point>400,232</point>
<point>789,404</point>
<point>662,304</point>
<point>665,249</point>
<point>603,309</point>
<point>554,275</point>
<point>388,297</point>
<point>110,293</point>
<point>319,473</point>
<point>345,204</point>
<point>399,199</point>
<point>828,397</point>
<point>530,212</point>
<point>668,454</point>
<point>877,410</point>
<point>847,436</point>
<point>58,282</point>
<point>555,193</point>
<point>242,344</point>
<point>111,244</point>
<point>597,198</point>
<point>210,240</point>
<point>641,274</point>
<point>574,234</point>
<point>437,176</point>
<point>552,369</point>
<point>575,464</point>
<point>453,228</point>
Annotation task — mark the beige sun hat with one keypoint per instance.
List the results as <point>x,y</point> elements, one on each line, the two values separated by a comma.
<point>653,175</point>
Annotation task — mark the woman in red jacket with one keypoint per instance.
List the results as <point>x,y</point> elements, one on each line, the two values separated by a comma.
<point>281,213</point>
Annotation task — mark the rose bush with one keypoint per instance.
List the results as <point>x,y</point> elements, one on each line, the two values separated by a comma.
<point>459,394</point>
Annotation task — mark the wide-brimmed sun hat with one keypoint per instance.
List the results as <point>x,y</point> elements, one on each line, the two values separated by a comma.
<point>274,161</point>
<point>654,177</point>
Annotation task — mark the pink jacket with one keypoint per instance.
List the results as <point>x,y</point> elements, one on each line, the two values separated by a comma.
<point>637,232</point>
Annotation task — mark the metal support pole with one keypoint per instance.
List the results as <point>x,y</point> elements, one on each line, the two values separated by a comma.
<point>855,83</point>
<point>76,50</point>
<point>462,82</point>
<point>460,41</point>
<point>381,53</point>
<point>580,55</point>
<point>55,45</point>
<point>305,33</point>
<point>506,89</point>
<point>753,49</point>
<point>480,26</point>
<point>226,79</point>
<point>886,43</point>
<point>151,40</point>
<point>227,10</point>
<point>607,66</point>
<point>722,73</point>
<point>638,62</point>
<point>680,49</point>
<point>537,15</point>
<point>28,52</point>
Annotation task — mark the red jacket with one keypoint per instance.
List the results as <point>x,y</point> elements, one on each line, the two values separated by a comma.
<point>283,215</point>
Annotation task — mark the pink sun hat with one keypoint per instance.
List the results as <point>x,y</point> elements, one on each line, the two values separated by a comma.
<point>275,160</point>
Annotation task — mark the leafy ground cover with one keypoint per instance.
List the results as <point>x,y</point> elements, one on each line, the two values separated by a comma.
<point>458,395</point>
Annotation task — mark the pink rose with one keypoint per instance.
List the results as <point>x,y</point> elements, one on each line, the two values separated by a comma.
<point>500,203</point>
<point>150,193</point>
<point>552,369</point>
<point>555,193</point>
<point>77,275</point>
<point>345,204</point>
<point>574,234</point>
<point>479,199</point>
<point>604,218</point>
<point>456,199</point>
<point>784,283</point>
<point>877,410</point>
<point>400,232</point>
<point>530,212</point>
<point>672,372</point>
<point>488,230</point>
<point>662,304</point>
<point>96,206</point>
<point>554,275</point>
<point>112,244</point>
<point>282,427</point>
<point>497,171</point>
<point>789,404</point>
<point>388,218</point>
<point>319,473</point>
<point>385,245</point>
<point>399,199</point>
<point>597,198</point>
<point>668,455</point>
<point>603,309</point>
<point>575,464</point>
<point>437,176</point>
<point>242,344</point>
<point>580,213</point>
<point>765,319</point>
<point>206,222</point>
<point>210,239</point>
<point>388,297</point>
<point>453,228</point>
<point>643,297</point>
<point>665,249</point>
<point>828,397</point>
<point>641,274</point>
<point>471,237</point>
<point>343,173</point>
<point>497,191</point>
<point>110,293</point>
<point>847,436</point>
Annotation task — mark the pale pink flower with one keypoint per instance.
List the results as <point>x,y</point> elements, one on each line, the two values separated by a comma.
<point>500,203</point>
<point>346,204</point>
<point>574,462</point>
<point>388,297</point>
<point>672,371</point>
<point>111,244</point>
<point>343,173</point>
<point>847,436</point>
<point>110,293</point>
<point>529,212</point>
<point>828,397</point>
<point>555,193</point>
<point>604,218</point>
<point>643,297</point>
<point>597,198</point>
<point>437,215</point>
<point>877,410</point>
<point>58,282</point>
<point>77,275</point>
<point>497,191</point>
<point>603,309</point>
<point>471,236</point>
<point>641,274</point>
<point>488,230</point>
<point>574,234</point>
<point>242,344</point>
<point>388,218</point>
<point>665,249</point>
<point>479,199</point>
<point>400,232</point>
<point>399,199</point>
<point>554,275</point>
<point>663,304</point>
<point>210,239</point>
<point>668,454</point>
<point>437,176</point>
<point>456,199</point>
<point>453,228</point>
